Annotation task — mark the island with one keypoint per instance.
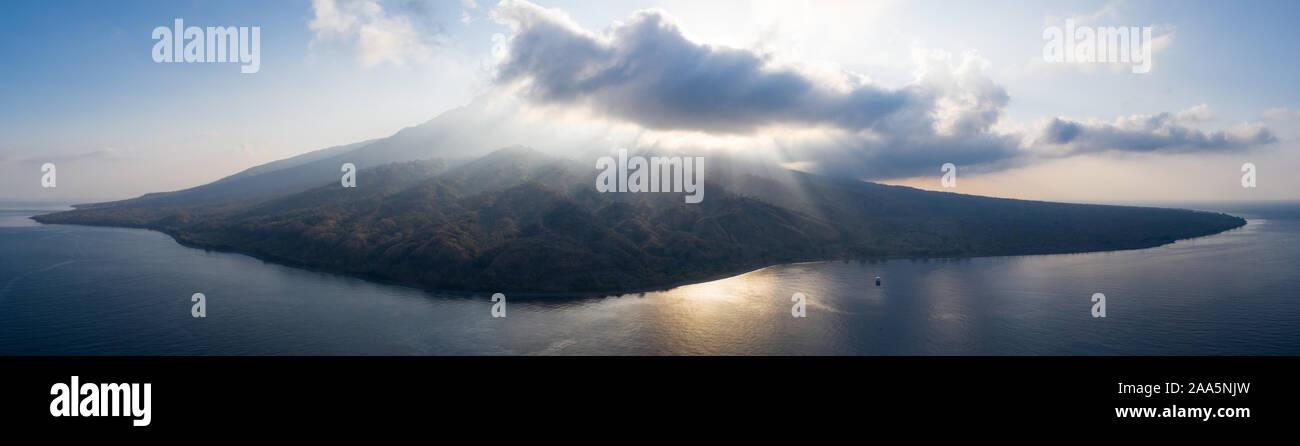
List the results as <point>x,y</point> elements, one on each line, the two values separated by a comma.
<point>519,221</point>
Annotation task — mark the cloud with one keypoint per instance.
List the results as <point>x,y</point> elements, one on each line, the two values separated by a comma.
<point>377,37</point>
<point>101,154</point>
<point>1164,132</point>
<point>647,72</point>
<point>1280,114</point>
<point>1108,17</point>
<point>1195,114</point>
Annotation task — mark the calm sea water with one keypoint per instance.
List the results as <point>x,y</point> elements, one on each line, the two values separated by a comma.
<point>86,290</point>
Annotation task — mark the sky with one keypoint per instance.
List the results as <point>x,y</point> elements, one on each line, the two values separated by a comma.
<point>881,91</point>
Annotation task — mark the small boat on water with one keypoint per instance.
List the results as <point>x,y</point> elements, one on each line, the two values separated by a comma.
<point>877,280</point>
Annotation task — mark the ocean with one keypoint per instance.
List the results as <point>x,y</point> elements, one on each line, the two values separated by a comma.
<point>74,290</point>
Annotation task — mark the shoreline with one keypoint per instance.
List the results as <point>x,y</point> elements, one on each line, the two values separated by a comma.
<point>583,294</point>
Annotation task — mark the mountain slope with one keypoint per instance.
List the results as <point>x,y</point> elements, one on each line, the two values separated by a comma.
<point>453,135</point>
<point>516,220</point>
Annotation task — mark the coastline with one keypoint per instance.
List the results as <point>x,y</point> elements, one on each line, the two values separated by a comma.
<point>745,269</point>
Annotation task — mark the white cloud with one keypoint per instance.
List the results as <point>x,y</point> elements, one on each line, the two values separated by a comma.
<point>1108,16</point>
<point>1281,114</point>
<point>464,13</point>
<point>376,36</point>
<point>1195,114</point>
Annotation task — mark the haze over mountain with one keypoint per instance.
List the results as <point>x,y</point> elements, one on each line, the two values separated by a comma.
<point>427,213</point>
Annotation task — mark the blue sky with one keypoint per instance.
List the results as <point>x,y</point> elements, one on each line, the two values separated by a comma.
<point>82,90</point>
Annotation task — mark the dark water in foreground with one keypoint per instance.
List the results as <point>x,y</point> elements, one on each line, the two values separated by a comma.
<point>87,290</point>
